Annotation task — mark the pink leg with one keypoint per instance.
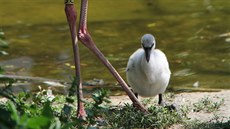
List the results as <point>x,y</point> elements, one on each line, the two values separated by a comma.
<point>71,18</point>
<point>86,39</point>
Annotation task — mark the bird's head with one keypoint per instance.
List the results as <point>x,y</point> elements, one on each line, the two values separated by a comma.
<point>148,43</point>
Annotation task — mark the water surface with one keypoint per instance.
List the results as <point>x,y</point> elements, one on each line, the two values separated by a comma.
<point>189,32</point>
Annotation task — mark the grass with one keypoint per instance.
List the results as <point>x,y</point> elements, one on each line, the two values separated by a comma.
<point>207,105</point>
<point>44,110</point>
<point>158,117</point>
<point>215,123</point>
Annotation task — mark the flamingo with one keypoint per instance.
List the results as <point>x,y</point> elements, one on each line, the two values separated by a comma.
<point>84,36</point>
<point>148,70</point>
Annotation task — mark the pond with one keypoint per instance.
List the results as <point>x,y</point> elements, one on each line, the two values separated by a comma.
<point>195,35</point>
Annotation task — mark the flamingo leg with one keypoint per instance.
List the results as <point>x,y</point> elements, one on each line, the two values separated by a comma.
<point>85,38</point>
<point>71,18</point>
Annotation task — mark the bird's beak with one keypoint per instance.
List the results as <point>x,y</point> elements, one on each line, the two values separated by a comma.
<point>147,53</point>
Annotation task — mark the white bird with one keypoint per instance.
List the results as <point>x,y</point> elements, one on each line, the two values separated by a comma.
<point>148,70</point>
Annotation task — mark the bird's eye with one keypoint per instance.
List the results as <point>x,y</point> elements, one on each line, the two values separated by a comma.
<point>152,45</point>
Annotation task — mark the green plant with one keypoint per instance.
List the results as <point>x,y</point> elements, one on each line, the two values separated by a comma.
<point>25,108</point>
<point>130,117</point>
<point>42,109</point>
<point>215,123</point>
<point>23,121</point>
<point>97,108</point>
<point>146,101</point>
<point>30,111</point>
<point>207,105</point>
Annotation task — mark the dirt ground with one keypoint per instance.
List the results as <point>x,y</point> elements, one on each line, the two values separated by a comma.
<point>189,99</point>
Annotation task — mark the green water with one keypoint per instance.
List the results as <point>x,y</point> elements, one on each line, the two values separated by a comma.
<point>187,31</point>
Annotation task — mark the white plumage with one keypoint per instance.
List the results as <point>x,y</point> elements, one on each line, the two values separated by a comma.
<point>148,70</point>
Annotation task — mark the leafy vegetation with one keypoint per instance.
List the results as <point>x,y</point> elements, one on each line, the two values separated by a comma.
<point>216,123</point>
<point>28,110</point>
<point>207,105</point>
<point>158,117</point>
<point>42,109</point>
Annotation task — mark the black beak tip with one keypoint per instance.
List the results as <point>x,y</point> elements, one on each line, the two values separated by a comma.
<point>147,59</point>
<point>147,54</point>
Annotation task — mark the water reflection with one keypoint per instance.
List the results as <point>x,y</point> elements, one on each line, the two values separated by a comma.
<point>189,32</point>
